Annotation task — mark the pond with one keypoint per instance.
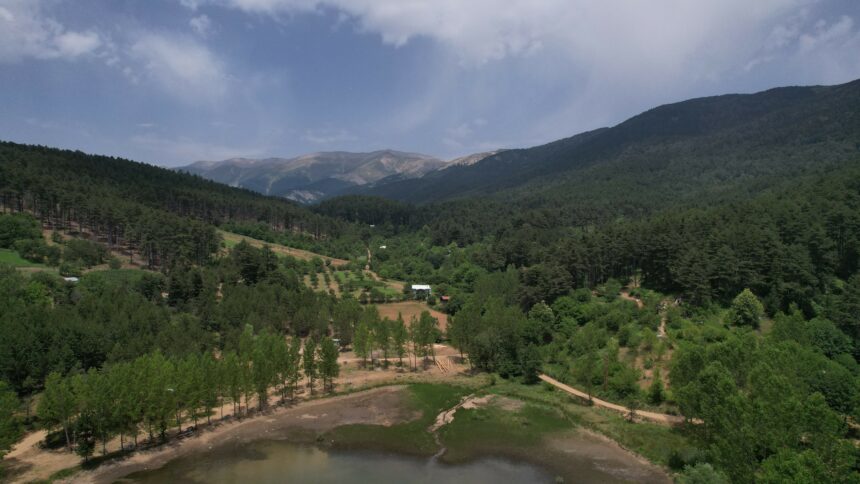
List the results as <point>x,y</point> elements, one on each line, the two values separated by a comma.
<point>278,462</point>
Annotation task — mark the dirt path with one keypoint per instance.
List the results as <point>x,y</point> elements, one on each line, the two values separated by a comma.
<point>29,462</point>
<point>446,417</point>
<point>661,330</point>
<point>625,294</point>
<point>664,305</point>
<point>660,418</point>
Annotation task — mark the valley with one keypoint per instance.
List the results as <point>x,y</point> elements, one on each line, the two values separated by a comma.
<point>672,297</point>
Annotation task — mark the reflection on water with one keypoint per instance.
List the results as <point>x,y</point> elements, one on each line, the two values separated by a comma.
<point>277,462</point>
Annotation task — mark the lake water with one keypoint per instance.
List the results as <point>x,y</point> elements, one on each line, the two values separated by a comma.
<point>283,462</point>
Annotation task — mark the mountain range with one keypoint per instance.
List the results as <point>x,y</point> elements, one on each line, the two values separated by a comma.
<point>690,150</point>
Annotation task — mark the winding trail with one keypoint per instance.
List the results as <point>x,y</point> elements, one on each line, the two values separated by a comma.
<point>661,330</point>
<point>625,294</point>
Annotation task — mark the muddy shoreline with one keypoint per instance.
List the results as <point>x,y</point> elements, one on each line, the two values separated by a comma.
<point>301,423</point>
<point>567,454</point>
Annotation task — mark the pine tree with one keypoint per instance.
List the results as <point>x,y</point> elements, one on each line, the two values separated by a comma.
<point>310,361</point>
<point>360,343</point>
<point>328,365</point>
<point>294,367</point>
<point>399,338</point>
<point>232,374</point>
<point>382,336</point>
<point>211,385</point>
<point>264,370</point>
<point>656,392</point>
<point>9,426</point>
<point>428,333</point>
<point>58,404</point>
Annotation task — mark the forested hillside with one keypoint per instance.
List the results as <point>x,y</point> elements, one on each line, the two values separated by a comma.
<point>163,215</point>
<point>699,148</point>
<point>701,259</point>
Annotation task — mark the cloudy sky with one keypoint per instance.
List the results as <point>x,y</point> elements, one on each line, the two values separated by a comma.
<point>174,81</point>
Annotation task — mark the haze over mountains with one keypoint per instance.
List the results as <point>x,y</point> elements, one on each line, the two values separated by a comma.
<point>315,176</point>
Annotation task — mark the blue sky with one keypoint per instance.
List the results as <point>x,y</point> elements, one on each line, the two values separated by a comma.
<point>174,81</point>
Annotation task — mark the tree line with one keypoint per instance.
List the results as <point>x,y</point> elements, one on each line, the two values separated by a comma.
<point>153,393</point>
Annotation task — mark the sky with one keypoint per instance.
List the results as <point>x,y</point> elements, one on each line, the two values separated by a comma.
<point>170,82</point>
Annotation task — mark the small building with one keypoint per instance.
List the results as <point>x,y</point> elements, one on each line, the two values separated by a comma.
<point>421,291</point>
<point>445,299</point>
<point>73,280</point>
<point>383,247</point>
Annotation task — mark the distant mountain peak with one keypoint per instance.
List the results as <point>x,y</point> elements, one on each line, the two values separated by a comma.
<point>314,176</point>
<point>471,159</point>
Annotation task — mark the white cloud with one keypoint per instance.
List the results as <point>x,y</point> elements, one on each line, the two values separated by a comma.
<point>181,66</point>
<point>190,4</point>
<point>825,34</point>
<point>73,44</point>
<point>659,32</point>
<point>25,32</point>
<point>201,24</point>
<point>603,59</point>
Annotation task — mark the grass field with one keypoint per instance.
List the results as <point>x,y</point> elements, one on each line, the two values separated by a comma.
<point>358,282</point>
<point>521,422</point>
<point>655,442</point>
<point>485,430</point>
<point>112,276</point>
<point>11,257</point>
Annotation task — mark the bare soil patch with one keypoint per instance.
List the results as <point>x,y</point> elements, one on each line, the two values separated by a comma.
<point>409,309</point>
<point>583,447</point>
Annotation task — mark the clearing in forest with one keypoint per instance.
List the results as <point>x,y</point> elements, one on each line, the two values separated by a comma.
<point>409,309</point>
<point>231,239</point>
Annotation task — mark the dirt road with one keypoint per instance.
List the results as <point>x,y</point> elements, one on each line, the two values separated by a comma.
<point>660,418</point>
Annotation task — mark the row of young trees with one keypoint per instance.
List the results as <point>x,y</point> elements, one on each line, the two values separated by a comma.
<point>386,338</point>
<point>153,393</point>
